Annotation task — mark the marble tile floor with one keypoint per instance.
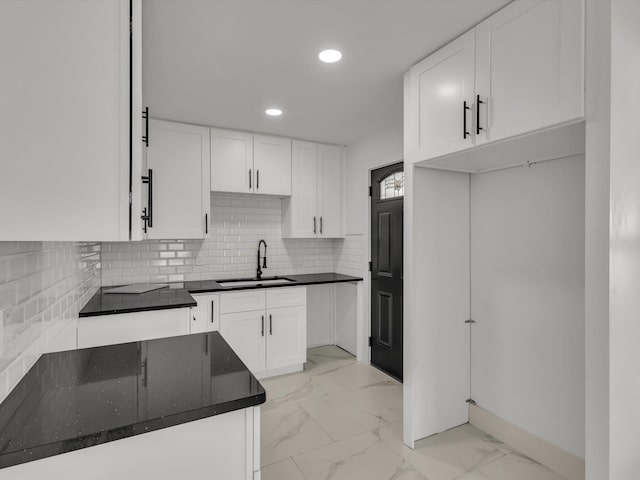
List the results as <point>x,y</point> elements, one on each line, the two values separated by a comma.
<point>342,420</point>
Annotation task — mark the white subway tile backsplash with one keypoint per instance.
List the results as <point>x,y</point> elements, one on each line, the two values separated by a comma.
<point>43,285</point>
<point>237,223</point>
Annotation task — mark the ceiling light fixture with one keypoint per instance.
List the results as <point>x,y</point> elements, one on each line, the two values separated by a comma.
<point>330,56</point>
<point>273,112</point>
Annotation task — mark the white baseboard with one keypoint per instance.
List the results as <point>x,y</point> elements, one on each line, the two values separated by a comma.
<point>554,458</point>
<point>280,371</point>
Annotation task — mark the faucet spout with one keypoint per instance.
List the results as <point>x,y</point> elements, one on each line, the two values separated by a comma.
<point>264,259</point>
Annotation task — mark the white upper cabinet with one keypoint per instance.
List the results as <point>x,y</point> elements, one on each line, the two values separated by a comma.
<point>299,211</point>
<point>231,161</point>
<point>246,163</point>
<point>65,118</point>
<point>314,209</point>
<point>272,165</point>
<point>529,67</point>
<point>442,87</point>
<point>518,72</point>
<point>178,161</point>
<point>329,174</point>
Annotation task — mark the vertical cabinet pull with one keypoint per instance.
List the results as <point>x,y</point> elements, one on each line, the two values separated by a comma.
<point>320,225</point>
<point>147,213</point>
<point>249,179</point>
<point>257,179</point>
<point>206,224</point>
<point>314,225</point>
<point>262,333</point>
<point>465,107</point>
<point>478,103</point>
<point>212,311</point>
<point>145,115</point>
<point>270,325</point>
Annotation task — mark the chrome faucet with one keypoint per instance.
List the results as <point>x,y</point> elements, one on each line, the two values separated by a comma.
<point>264,259</point>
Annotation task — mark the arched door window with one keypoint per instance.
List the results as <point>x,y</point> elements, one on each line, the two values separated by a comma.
<point>392,186</point>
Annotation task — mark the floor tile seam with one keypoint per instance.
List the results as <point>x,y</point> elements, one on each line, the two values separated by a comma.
<point>317,422</point>
<point>309,450</point>
<point>298,466</point>
<point>378,440</point>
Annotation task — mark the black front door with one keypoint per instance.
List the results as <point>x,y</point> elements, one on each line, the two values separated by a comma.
<point>387,201</point>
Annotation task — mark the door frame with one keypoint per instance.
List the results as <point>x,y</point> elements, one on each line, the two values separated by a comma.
<point>365,305</point>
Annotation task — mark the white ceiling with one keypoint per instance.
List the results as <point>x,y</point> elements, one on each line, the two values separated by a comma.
<point>223,62</point>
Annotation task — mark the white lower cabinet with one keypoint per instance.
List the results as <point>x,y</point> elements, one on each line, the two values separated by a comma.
<point>225,446</point>
<point>271,340</point>
<point>132,327</point>
<point>206,316</point>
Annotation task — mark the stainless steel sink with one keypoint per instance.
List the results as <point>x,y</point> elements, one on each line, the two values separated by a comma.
<point>243,282</point>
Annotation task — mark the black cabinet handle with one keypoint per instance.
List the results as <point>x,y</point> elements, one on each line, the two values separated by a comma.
<point>257,179</point>
<point>270,325</point>
<point>212,311</point>
<point>464,119</point>
<point>263,325</point>
<point>206,224</point>
<point>478,127</point>
<point>145,115</point>
<point>314,225</point>
<point>249,179</point>
<point>320,225</point>
<point>147,213</point>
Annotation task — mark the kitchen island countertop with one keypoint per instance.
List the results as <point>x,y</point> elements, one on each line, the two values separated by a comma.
<point>81,398</point>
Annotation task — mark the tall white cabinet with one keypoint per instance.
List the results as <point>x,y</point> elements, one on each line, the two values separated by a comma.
<point>65,118</point>
<point>178,189</point>
<point>314,209</point>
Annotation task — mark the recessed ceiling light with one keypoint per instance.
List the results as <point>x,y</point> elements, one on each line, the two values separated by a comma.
<point>330,56</point>
<point>273,112</point>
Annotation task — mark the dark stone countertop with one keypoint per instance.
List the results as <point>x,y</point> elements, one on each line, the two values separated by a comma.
<point>108,303</point>
<point>178,295</point>
<point>80,398</point>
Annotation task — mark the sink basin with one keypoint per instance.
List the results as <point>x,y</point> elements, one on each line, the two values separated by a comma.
<point>251,283</point>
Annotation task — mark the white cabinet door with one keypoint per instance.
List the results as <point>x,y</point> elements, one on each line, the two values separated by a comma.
<point>286,336</point>
<point>530,67</point>
<point>132,327</point>
<point>64,120</point>
<point>441,86</point>
<point>329,191</point>
<point>231,161</point>
<point>272,165</point>
<point>206,316</point>
<point>178,156</point>
<point>245,332</point>
<point>300,218</point>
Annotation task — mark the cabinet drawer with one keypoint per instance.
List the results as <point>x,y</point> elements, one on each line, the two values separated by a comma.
<point>242,301</point>
<point>286,297</point>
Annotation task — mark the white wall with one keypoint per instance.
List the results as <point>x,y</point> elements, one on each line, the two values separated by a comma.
<point>597,146</point>
<point>624,266</point>
<point>352,254</point>
<point>527,290</point>
<point>43,285</point>
<point>383,148</point>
